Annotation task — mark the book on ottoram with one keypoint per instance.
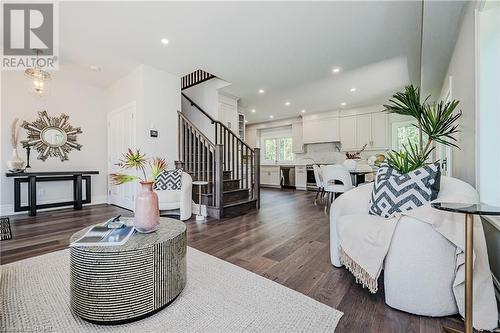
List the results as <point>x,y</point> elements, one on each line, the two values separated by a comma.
<point>100,235</point>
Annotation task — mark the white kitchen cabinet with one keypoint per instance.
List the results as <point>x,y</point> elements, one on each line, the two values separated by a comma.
<point>297,137</point>
<point>369,128</point>
<point>270,175</point>
<point>380,131</point>
<point>320,129</point>
<point>363,130</point>
<point>228,112</point>
<point>300,177</point>
<point>348,133</point>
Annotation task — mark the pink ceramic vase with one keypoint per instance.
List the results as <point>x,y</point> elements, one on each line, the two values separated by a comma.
<point>147,212</point>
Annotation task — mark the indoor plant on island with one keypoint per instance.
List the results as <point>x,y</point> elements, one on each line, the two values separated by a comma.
<point>147,212</point>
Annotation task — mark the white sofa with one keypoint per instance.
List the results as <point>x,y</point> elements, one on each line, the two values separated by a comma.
<point>417,279</point>
<point>178,199</point>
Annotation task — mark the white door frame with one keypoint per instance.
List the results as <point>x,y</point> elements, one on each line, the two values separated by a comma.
<point>448,150</point>
<point>131,105</point>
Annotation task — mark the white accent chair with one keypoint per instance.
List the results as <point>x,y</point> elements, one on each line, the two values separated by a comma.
<point>417,279</point>
<point>331,174</point>
<point>318,177</point>
<point>178,199</point>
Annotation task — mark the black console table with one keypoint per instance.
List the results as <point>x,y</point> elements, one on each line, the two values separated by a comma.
<point>51,176</point>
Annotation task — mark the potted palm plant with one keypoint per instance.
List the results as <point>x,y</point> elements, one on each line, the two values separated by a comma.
<point>147,212</point>
<point>435,123</point>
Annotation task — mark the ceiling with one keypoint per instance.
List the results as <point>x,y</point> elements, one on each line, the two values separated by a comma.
<point>286,48</point>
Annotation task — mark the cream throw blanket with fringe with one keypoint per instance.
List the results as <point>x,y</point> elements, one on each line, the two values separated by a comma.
<point>365,240</point>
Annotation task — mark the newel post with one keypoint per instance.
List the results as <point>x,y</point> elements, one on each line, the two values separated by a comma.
<point>219,178</point>
<point>179,165</point>
<point>257,175</point>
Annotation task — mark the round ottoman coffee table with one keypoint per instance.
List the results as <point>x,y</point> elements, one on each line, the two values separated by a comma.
<point>118,284</point>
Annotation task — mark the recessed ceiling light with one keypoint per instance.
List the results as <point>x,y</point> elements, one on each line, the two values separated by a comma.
<point>287,103</point>
<point>271,116</point>
<point>303,111</point>
<point>336,70</point>
<point>246,121</point>
<point>343,104</point>
<point>353,90</point>
<point>253,110</point>
<point>261,91</point>
<point>95,68</point>
<point>164,41</point>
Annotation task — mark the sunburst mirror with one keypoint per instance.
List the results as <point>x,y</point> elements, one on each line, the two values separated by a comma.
<point>51,136</point>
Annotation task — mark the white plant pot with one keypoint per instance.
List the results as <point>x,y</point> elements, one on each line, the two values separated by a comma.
<point>15,163</point>
<point>351,165</point>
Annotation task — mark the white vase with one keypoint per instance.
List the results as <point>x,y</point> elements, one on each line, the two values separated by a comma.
<point>351,165</point>
<point>15,163</point>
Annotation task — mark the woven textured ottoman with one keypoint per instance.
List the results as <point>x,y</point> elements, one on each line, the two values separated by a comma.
<point>118,284</point>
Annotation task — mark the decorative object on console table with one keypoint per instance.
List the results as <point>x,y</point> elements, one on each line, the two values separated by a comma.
<point>147,211</point>
<point>52,136</point>
<point>469,211</point>
<point>28,151</point>
<point>15,164</point>
<point>437,121</point>
<point>152,273</point>
<point>5,232</point>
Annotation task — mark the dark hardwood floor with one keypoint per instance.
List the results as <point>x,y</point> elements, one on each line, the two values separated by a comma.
<point>286,241</point>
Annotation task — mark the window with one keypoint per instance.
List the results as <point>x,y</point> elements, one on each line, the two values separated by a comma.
<point>276,145</point>
<point>404,132</point>
<point>270,150</point>
<point>278,149</point>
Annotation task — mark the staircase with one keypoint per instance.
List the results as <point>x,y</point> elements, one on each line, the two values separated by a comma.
<point>226,162</point>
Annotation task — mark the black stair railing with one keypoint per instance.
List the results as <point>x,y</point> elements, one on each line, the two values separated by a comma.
<point>195,78</point>
<point>209,161</point>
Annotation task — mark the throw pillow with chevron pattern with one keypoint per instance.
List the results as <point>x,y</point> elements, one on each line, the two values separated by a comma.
<point>168,180</point>
<point>394,192</point>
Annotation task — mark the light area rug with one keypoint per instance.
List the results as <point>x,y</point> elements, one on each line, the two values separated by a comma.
<point>218,297</point>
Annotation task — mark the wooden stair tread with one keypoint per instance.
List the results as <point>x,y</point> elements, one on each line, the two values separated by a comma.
<point>228,191</point>
<point>239,202</point>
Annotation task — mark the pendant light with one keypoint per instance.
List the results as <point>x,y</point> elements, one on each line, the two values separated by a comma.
<point>38,78</point>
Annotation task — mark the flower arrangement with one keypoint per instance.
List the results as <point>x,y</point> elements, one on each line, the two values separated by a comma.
<point>438,122</point>
<point>133,159</point>
<point>355,155</point>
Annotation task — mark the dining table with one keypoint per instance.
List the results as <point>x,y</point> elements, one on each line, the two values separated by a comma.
<point>359,176</point>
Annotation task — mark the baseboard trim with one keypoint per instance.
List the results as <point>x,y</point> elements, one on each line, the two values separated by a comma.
<point>8,209</point>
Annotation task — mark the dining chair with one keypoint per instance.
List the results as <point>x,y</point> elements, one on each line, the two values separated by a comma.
<point>318,177</point>
<point>336,180</point>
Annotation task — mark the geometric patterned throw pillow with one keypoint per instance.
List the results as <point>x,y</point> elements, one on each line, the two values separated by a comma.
<point>168,180</point>
<point>394,193</point>
<point>5,232</point>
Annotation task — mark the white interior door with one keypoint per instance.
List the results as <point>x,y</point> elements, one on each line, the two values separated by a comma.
<point>121,136</point>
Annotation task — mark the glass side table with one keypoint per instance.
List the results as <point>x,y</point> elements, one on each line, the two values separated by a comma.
<point>200,183</point>
<point>469,211</point>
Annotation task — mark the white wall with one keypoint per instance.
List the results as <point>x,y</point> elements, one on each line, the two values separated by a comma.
<point>162,100</point>
<point>488,117</point>
<point>85,106</point>
<point>462,70</point>
<point>206,96</point>
<point>157,97</point>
